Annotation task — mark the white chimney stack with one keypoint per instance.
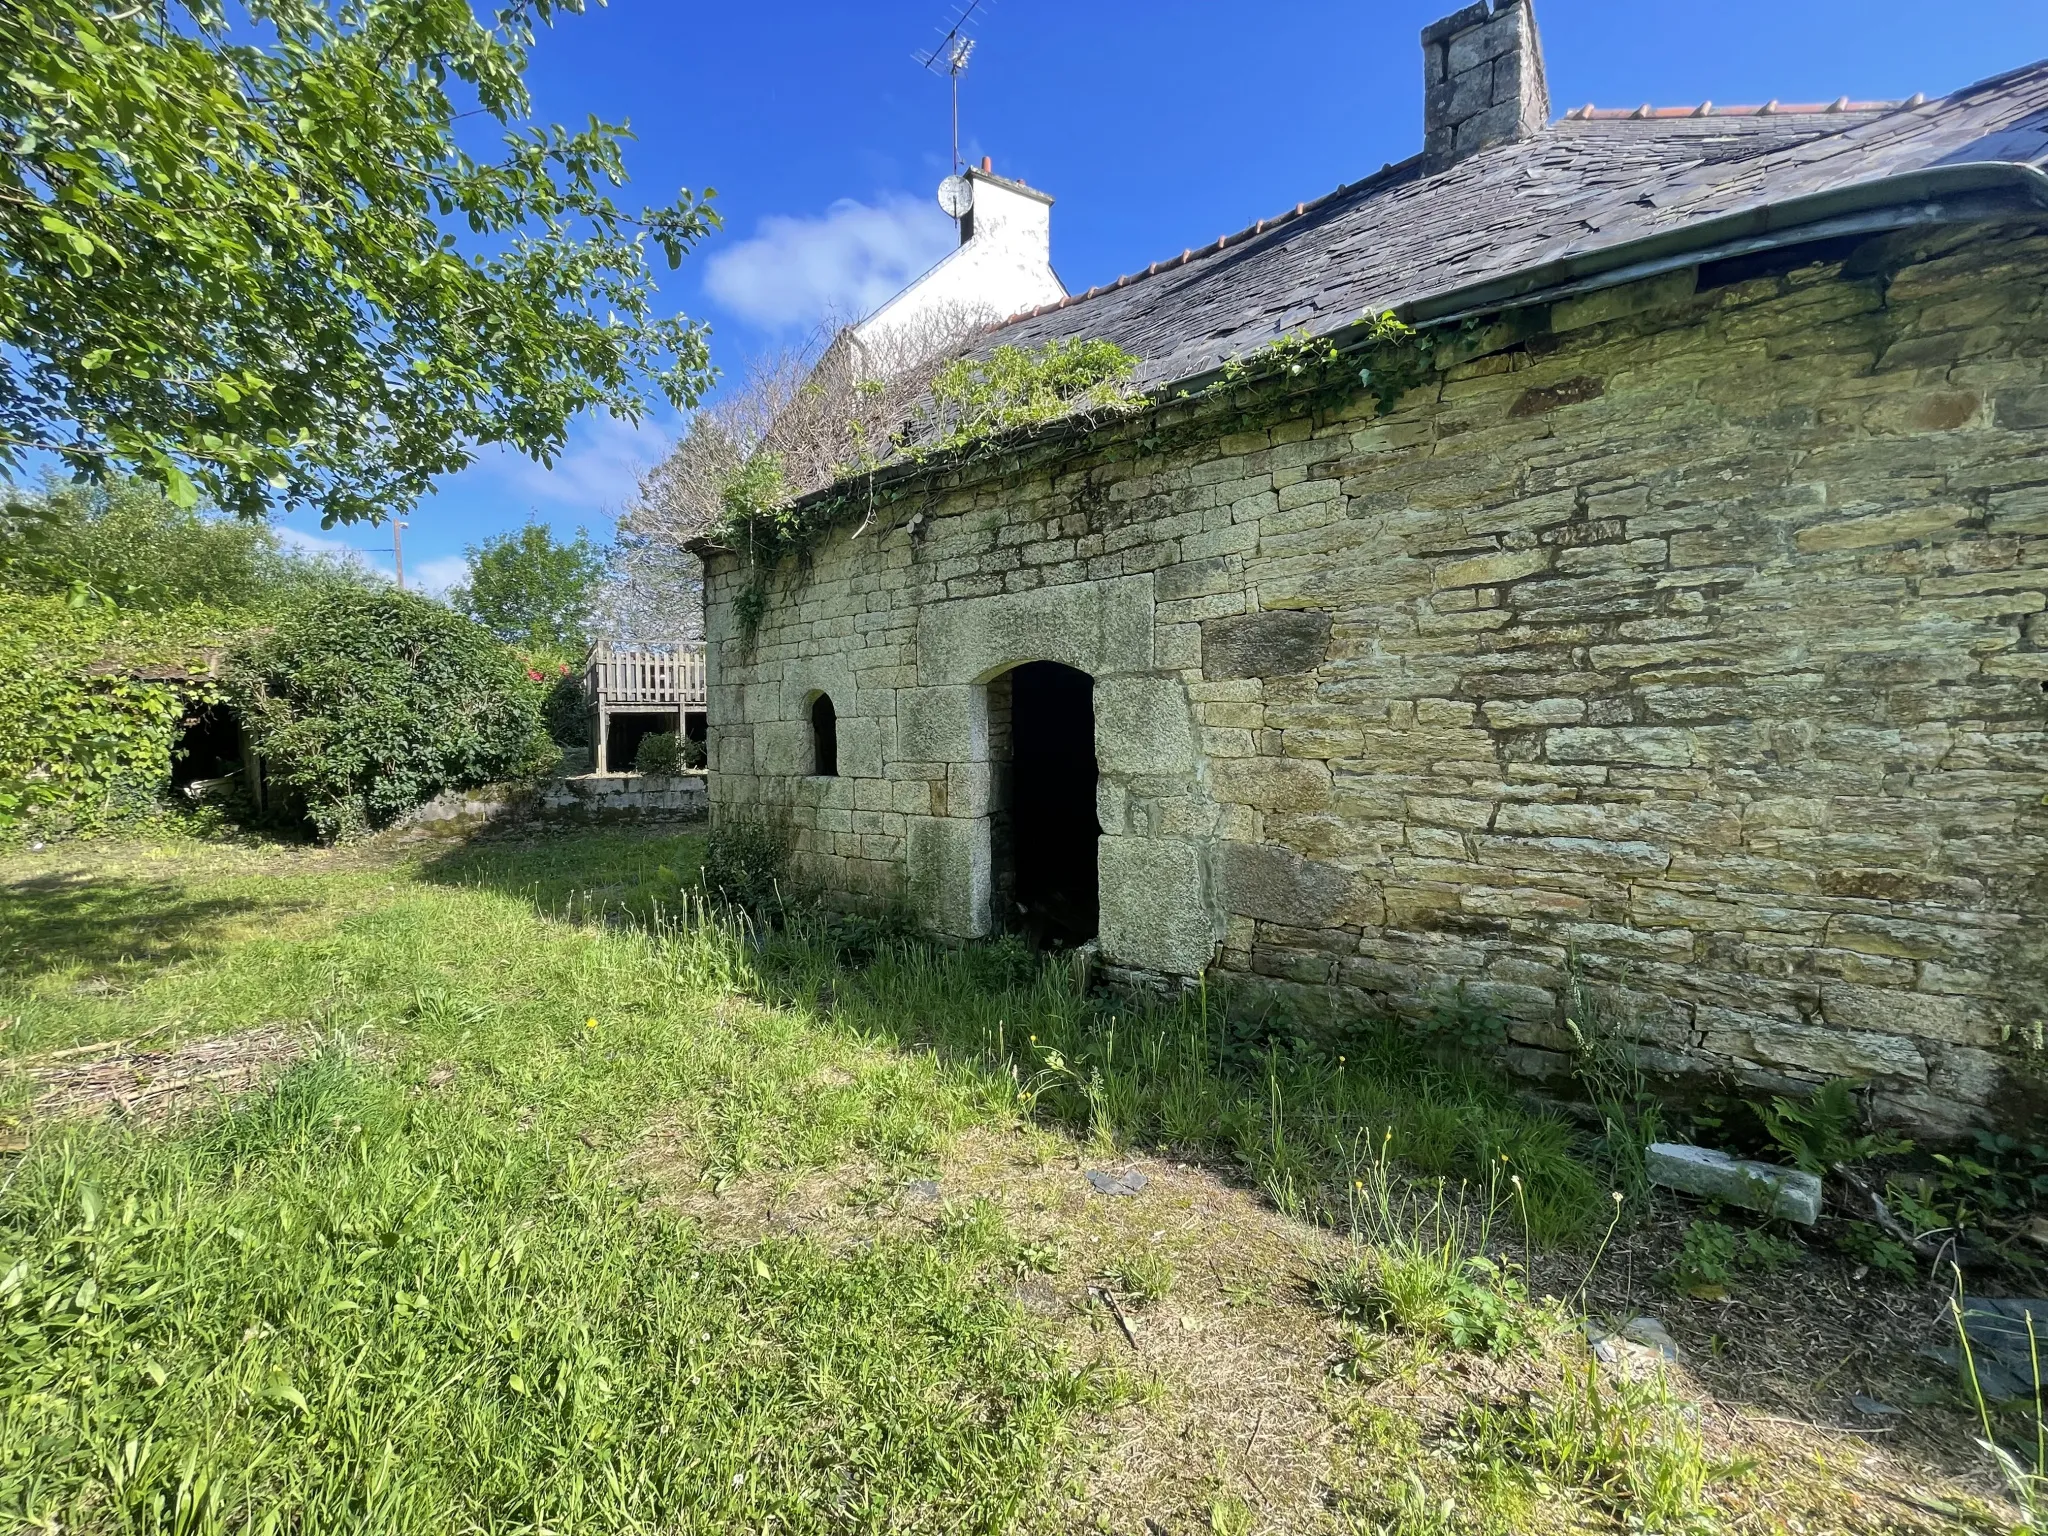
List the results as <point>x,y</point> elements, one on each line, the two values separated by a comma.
<point>1002,267</point>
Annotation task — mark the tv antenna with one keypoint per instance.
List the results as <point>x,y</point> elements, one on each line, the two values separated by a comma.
<point>949,57</point>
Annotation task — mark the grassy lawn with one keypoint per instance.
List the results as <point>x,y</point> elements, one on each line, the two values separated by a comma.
<point>537,1199</point>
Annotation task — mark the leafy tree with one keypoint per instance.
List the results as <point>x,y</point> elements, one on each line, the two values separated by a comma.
<point>526,588</point>
<point>226,257</point>
<point>122,544</point>
<point>367,703</point>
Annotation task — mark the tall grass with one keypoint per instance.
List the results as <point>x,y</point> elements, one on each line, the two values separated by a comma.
<point>1174,1076</point>
<point>378,1297</point>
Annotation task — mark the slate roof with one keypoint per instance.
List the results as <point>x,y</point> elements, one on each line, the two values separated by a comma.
<point>1592,180</point>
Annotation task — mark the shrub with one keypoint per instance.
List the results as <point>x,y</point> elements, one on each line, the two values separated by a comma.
<point>657,754</point>
<point>746,860</point>
<point>566,711</point>
<point>365,704</point>
<point>692,753</point>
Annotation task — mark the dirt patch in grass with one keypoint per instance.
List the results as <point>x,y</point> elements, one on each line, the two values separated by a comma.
<point>1795,1349</point>
<point>1261,1411</point>
<point>126,1078</point>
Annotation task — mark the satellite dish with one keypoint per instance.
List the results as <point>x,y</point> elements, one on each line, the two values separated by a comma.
<point>956,196</point>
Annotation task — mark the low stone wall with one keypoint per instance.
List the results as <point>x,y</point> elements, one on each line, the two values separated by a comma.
<point>626,797</point>
<point>584,797</point>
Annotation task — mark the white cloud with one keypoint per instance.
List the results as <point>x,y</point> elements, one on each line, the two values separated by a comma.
<point>435,577</point>
<point>595,475</point>
<point>432,577</point>
<point>317,544</point>
<point>846,262</point>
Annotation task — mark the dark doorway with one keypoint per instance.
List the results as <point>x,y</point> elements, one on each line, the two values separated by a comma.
<point>1045,829</point>
<point>209,746</point>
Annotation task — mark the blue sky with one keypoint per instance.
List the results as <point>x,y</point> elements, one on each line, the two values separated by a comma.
<point>1155,125</point>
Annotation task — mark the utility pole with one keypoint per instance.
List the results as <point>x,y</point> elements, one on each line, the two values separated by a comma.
<point>398,552</point>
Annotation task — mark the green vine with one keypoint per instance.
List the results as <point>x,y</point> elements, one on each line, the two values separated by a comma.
<point>1384,355</point>
<point>91,700</point>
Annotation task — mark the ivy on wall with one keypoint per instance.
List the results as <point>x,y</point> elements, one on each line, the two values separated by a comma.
<point>90,705</point>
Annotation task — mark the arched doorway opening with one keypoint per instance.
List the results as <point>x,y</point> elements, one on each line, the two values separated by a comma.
<point>1043,831</point>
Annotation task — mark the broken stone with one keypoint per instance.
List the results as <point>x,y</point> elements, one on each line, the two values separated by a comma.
<point>1871,1408</point>
<point>1106,1183</point>
<point>922,1189</point>
<point>1789,1193</point>
<point>1640,1342</point>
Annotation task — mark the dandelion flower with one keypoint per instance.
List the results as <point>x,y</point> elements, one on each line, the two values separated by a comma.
<point>590,1023</point>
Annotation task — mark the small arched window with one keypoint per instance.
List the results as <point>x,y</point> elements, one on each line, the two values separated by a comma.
<point>824,738</point>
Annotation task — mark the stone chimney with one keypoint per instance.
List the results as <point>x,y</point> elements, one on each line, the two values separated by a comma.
<point>1482,81</point>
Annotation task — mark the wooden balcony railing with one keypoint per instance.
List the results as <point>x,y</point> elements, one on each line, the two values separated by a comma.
<point>646,676</point>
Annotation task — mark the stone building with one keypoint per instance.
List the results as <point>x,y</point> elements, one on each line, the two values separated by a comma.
<point>1676,635</point>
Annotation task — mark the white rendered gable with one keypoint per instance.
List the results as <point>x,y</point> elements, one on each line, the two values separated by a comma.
<point>1003,267</point>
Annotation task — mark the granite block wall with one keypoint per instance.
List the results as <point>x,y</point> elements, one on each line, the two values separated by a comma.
<point>1682,645</point>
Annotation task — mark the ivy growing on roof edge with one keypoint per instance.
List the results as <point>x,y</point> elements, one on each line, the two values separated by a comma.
<point>988,404</point>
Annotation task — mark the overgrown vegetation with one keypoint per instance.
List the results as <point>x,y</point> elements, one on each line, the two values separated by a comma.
<point>91,701</point>
<point>753,476</point>
<point>1378,353</point>
<point>115,604</point>
<point>369,703</point>
<point>123,544</point>
<point>404,1289</point>
<point>481,1259</point>
<point>1015,388</point>
<point>746,862</point>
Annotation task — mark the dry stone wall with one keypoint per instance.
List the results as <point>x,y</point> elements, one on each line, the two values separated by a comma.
<point>1678,649</point>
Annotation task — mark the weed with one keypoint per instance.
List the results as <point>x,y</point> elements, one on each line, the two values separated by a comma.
<point>2025,1475</point>
<point>1145,1276</point>
<point>1428,1291</point>
<point>1229,1516</point>
<point>1713,1253</point>
<point>746,861</point>
<point>1608,1072</point>
<point>1824,1128</point>
<point>1424,1270</point>
<point>1630,1445</point>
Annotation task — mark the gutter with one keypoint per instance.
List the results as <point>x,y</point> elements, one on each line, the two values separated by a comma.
<point>1968,192</point>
